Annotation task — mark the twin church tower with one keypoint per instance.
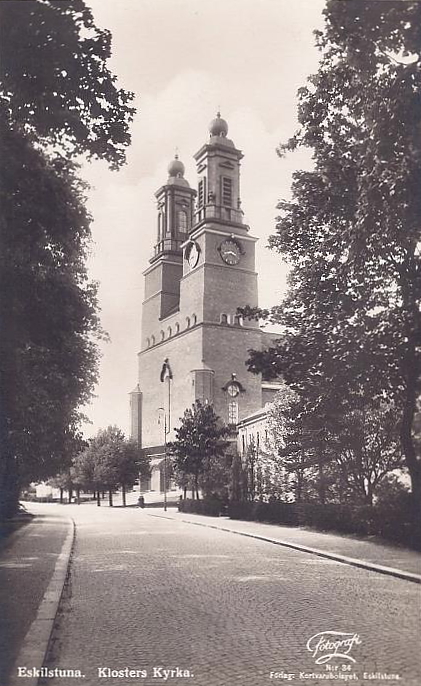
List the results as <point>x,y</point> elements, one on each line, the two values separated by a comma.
<point>194,345</point>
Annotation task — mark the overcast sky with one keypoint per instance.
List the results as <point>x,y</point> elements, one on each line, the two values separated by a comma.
<point>184,59</point>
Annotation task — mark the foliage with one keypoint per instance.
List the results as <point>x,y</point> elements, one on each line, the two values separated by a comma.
<point>109,461</point>
<point>55,83</point>
<point>210,507</point>
<point>48,309</point>
<point>351,232</point>
<point>58,101</point>
<point>392,522</point>
<point>199,444</point>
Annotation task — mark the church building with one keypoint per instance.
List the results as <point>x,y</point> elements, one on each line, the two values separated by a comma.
<point>194,344</point>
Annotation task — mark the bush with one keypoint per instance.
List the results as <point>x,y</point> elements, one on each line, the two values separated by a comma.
<point>276,512</point>
<point>209,506</point>
<point>336,517</point>
<point>389,519</point>
<point>395,521</point>
<point>238,509</point>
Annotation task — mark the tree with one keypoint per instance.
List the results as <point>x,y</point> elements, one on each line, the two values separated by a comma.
<point>57,101</point>
<point>199,443</point>
<point>131,463</point>
<point>63,481</point>
<point>109,461</point>
<point>351,232</point>
<point>55,83</point>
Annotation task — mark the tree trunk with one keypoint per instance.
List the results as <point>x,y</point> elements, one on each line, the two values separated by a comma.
<point>110,497</point>
<point>9,488</point>
<point>9,339</point>
<point>298,486</point>
<point>70,490</point>
<point>78,495</point>
<point>123,493</point>
<point>98,499</point>
<point>103,495</point>
<point>321,485</point>
<point>411,374</point>
<point>185,493</point>
<point>61,495</point>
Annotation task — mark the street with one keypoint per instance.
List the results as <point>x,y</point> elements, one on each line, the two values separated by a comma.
<point>185,604</point>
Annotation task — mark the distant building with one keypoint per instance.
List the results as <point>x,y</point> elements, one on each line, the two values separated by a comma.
<point>194,344</point>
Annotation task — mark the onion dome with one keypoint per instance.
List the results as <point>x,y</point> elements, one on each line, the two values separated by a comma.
<point>176,167</point>
<point>218,126</point>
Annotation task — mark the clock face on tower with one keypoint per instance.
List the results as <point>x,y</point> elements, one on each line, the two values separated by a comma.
<point>233,390</point>
<point>193,255</point>
<point>230,251</point>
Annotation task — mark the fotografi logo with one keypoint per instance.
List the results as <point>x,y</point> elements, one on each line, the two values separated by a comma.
<point>329,644</point>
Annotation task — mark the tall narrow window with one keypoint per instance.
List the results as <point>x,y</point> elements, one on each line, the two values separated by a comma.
<point>182,221</point>
<point>227,191</point>
<point>202,193</point>
<point>160,233</point>
<point>233,412</point>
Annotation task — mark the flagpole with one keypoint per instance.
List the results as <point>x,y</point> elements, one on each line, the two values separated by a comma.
<point>166,373</point>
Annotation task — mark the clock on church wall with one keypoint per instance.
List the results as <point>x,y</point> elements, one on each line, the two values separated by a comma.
<point>230,251</point>
<point>192,254</point>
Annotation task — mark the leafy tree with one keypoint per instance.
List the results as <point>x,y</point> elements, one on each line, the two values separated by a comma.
<point>57,100</point>
<point>131,463</point>
<point>63,481</point>
<point>109,461</point>
<point>351,232</point>
<point>199,443</point>
<point>55,83</point>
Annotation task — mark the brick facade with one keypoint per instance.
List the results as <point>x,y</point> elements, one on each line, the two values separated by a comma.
<point>196,280</point>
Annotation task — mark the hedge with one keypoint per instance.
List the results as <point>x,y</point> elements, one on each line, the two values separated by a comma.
<point>389,520</point>
<point>209,506</point>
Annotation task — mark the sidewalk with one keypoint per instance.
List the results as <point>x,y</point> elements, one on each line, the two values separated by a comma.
<point>27,563</point>
<point>377,556</point>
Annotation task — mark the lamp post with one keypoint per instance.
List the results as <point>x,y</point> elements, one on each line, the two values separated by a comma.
<point>161,409</point>
<point>166,375</point>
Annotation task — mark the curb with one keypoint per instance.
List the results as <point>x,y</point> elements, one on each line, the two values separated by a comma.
<point>37,639</point>
<point>353,562</point>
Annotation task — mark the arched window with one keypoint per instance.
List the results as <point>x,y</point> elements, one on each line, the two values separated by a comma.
<point>162,335</point>
<point>224,319</point>
<point>237,320</point>
<point>177,328</point>
<point>194,320</point>
<point>182,221</point>
<point>148,342</point>
<point>153,340</point>
<point>160,227</point>
<point>169,332</point>
<point>187,322</point>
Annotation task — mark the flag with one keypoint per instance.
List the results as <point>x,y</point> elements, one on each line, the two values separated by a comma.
<point>166,372</point>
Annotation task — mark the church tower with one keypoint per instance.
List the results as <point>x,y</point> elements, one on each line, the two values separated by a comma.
<point>194,345</point>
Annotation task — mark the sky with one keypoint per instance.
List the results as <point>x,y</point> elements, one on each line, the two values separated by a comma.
<point>184,60</point>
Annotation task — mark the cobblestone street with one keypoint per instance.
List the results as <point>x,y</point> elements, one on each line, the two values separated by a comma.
<point>146,592</point>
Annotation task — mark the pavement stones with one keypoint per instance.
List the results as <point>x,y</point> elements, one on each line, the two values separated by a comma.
<point>47,534</point>
<point>379,557</point>
<point>33,568</point>
<point>150,592</point>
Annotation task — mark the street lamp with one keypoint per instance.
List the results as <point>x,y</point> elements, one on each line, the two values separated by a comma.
<point>166,375</point>
<point>161,409</point>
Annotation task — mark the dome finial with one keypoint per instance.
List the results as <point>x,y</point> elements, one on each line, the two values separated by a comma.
<point>176,167</point>
<point>218,126</point>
